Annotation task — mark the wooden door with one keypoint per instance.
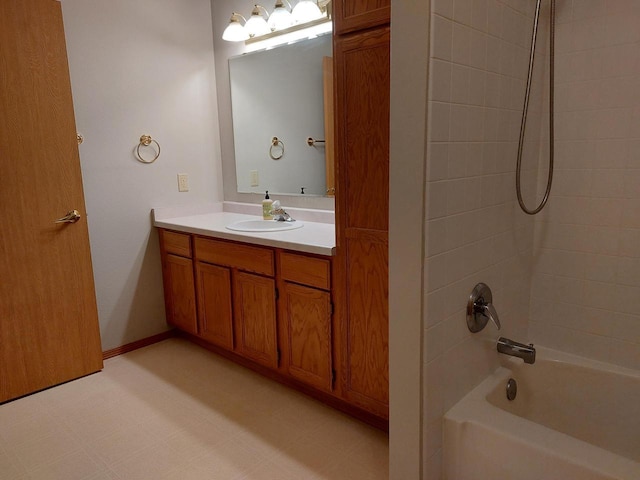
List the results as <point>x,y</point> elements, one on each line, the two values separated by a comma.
<point>49,330</point>
<point>180,293</point>
<point>362,157</point>
<point>255,318</point>
<point>307,319</point>
<point>215,313</point>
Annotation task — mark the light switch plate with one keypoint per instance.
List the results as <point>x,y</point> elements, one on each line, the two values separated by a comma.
<point>254,178</point>
<point>183,182</point>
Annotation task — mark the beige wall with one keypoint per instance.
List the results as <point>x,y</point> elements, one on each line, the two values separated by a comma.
<point>140,67</point>
<point>586,283</point>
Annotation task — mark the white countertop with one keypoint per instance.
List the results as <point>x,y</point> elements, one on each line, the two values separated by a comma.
<point>312,237</point>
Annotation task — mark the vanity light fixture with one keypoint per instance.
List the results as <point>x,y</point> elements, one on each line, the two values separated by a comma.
<point>282,20</point>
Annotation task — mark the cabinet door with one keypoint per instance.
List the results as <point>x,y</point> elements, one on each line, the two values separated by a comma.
<point>362,129</point>
<point>255,318</point>
<point>214,304</point>
<point>180,293</point>
<point>366,324</point>
<point>362,132</point>
<point>352,15</point>
<point>307,320</point>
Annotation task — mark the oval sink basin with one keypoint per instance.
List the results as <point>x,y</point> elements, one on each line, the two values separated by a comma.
<point>263,226</point>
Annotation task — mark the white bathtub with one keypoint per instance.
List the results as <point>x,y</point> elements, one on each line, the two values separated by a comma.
<point>572,419</point>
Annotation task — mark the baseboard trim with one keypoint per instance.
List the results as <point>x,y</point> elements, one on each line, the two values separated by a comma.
<point>144,342</point>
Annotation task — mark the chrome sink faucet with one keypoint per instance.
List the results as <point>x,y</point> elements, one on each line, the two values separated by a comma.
<point>516,349</point>
<point>279,214</point>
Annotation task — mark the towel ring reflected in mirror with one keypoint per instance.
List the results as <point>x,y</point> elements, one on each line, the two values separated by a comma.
<point>276,150</point>
<point>145,141</point>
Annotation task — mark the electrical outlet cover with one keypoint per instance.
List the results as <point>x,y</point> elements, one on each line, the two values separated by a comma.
<point>183,182</point>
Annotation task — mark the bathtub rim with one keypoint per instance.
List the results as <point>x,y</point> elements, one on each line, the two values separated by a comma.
<point>474,409</point>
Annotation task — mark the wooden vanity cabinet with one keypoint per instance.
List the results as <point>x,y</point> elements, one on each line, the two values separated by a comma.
<point>273,310</point>
<point>237,298</point>
<point>306,313</point>
<point>179,287</point>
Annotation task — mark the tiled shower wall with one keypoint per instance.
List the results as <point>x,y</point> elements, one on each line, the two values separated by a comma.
<point>586,283</point>
<point>475,232</point>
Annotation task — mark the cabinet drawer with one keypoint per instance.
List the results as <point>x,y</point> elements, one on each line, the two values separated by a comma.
<point>243,257</point>
<point>311,271</point>
<point>176,243</point>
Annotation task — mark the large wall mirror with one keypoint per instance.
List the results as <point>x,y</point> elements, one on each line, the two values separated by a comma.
<point>280,94</point>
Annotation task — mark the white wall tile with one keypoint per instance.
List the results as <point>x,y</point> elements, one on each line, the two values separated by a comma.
<point>476,234</point>
<point>441,36</point>
<point>461,44</point>
<point>440,80</point>
<point>589,235</point>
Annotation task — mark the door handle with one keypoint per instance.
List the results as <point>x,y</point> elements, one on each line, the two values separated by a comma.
<point>71,217</point>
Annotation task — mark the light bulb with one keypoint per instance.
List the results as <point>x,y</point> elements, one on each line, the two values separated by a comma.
<point>235,32</point>
<point>306,11</point>
<point>280,17</point>
<point>257,25</point>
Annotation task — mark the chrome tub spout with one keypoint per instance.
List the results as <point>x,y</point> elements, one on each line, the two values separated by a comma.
<point>516,349</point>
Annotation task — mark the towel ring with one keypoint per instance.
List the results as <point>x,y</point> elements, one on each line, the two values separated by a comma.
<point>146,140</point>
<point>276,144</point>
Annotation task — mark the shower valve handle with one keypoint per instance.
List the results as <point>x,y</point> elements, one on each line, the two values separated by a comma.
<point>488,310</point>
<point>480,309</point>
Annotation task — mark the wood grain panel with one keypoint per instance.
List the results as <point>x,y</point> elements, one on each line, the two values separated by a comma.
<point>176,243</point>
<point>215,312</point>
<point>362,177</point>
<point>180,294</point>
<point>363,83</point>
<point>243,257</point>
<point>311,271</point>
<point>49,330</point>
<point>367,325</point>
<point>255,318</point>
<point>308,324</point>
<point>351,15</point>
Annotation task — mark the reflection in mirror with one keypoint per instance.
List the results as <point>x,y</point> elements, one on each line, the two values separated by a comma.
<point>278,93</point>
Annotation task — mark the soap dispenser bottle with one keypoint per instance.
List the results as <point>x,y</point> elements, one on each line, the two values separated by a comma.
<point>267,205</point>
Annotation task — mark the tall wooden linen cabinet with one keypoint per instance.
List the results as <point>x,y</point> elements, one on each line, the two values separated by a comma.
<point>361,66</point>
